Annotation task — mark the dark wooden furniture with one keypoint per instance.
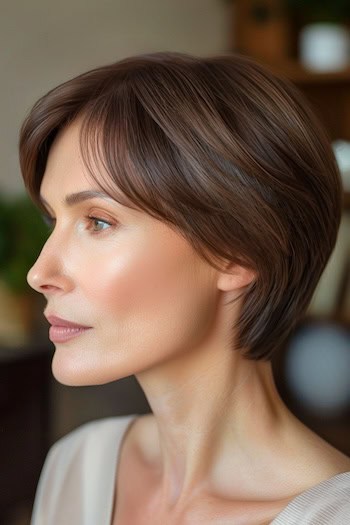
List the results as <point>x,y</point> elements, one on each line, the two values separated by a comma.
<point>264,31</point>
<point>328,94</point>
<point>24,427</point>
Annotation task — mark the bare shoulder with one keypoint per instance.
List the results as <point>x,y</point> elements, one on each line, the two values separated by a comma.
<point>332,458</point>
<point>323,459</point>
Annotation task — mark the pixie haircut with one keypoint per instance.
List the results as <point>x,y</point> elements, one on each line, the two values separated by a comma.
<point>224,152</point>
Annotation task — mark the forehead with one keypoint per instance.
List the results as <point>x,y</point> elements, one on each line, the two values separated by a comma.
<point>66,174</point>
<point>65,165</point>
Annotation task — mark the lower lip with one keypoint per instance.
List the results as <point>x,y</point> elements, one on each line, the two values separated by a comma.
<point>61,334</point>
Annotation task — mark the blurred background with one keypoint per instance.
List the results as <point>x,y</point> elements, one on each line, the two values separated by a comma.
<point>43,44</point>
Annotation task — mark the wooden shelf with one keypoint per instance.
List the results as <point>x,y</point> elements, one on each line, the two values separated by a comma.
<point>327,92</point>
<point>337,319</point>
<point>295,72</point>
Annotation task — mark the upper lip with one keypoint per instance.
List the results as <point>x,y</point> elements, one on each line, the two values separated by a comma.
<point>58,321</point>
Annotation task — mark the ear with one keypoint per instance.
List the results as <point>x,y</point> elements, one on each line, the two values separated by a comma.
<point>235,277</point>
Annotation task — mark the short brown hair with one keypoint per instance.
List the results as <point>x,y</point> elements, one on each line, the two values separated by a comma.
<point>222,150</point>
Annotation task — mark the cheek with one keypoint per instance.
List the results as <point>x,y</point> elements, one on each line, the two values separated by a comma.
<point>152,290</point>
<point>150,299</point>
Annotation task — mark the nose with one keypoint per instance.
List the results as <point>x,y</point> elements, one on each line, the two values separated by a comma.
<point>46,275</point>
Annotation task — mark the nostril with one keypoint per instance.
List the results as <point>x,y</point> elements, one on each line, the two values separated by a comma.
<point>47,288</point>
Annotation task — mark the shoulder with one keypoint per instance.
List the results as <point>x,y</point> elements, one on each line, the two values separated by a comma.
<point>74,463</point>
<point>327,503</point>
<point>84,441</point>
<point>91,433</point>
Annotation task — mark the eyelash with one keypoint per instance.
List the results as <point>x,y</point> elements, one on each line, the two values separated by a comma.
<point>50,222</point>
<point>90,219</point>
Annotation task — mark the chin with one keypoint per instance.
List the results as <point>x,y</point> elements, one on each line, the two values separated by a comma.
<point>70,372</point>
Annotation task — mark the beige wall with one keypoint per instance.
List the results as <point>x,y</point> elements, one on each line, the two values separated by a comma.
<point>43,43</point>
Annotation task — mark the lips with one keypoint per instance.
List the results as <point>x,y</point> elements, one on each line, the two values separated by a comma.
<point>58,321</point>
<point>63,330</point>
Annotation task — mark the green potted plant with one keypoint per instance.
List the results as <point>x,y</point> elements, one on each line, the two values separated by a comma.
<point>324,39</point>
<point>22,235</point>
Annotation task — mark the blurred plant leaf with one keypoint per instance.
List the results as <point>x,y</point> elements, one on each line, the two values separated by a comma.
<point>22,235</point>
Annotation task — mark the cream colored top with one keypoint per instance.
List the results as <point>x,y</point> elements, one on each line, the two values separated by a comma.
<point>77,483</point>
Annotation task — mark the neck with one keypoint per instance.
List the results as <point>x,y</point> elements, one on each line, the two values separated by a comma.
<point>215,413</point>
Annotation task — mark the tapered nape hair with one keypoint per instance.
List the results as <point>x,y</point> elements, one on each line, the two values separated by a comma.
<point>222,150</point>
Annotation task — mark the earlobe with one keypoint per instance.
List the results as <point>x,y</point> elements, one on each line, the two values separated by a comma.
<point>235,277</point>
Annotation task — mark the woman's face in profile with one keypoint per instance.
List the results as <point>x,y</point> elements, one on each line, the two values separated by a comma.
<point>139,285</point>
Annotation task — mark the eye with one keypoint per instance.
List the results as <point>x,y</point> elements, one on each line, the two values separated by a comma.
<point>98,223</point>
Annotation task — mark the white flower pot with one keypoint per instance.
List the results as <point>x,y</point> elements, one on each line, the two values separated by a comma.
<point>324,47</point>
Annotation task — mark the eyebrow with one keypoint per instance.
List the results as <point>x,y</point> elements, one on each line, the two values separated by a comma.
<point>81,196</point>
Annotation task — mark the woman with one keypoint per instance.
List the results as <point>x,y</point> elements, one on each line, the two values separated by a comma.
<point>195,203</point>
